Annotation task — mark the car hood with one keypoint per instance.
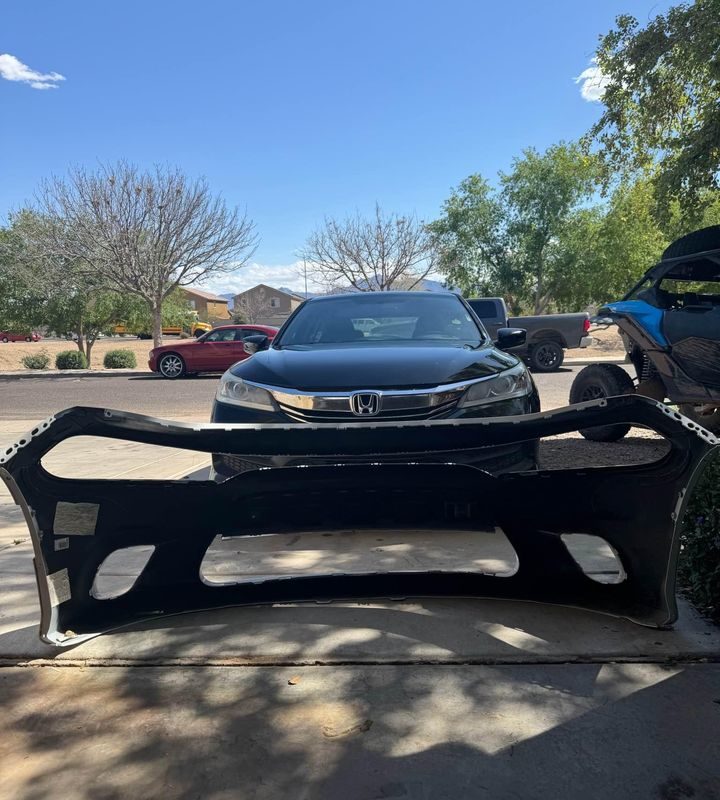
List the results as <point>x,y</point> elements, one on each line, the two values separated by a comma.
<point>175,345</point>
<point>334,368</point>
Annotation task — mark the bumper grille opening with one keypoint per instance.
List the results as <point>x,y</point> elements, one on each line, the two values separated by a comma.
<point>241,559</point>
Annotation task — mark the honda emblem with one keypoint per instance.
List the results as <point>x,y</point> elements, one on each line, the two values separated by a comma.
<point>365,404</point>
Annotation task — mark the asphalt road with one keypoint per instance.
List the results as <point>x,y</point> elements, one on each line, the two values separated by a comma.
<point>36,398</point>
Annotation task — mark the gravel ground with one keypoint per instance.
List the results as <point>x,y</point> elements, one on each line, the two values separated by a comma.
<point>571,450</point>
<point>606,342</point>
<point>12,353</point>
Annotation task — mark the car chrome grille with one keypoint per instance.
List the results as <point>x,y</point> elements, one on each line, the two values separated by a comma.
<point>392,407</point>
<point>390,415</point>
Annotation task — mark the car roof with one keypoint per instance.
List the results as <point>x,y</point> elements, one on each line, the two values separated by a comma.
<point>242,325</point>
<point>345,295</point>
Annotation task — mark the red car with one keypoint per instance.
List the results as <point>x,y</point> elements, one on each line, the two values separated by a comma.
<point>216,351</point>
<point>14,336</point>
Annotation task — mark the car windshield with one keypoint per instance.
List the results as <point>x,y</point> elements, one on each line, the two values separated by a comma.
<point>374,318</point>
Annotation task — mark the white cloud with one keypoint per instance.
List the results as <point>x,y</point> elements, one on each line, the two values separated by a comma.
<point>12,69</point>
<point>288,275</point>
<point>594,83</point>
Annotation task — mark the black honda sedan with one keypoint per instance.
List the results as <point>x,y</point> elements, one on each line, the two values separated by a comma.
<point>378,357</point>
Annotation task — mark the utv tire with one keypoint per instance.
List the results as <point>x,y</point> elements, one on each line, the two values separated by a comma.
<point>546,356</point>
<point>171,365</point>
<point>695,242</point>
<point>594,383</point>
<point>710,421</point>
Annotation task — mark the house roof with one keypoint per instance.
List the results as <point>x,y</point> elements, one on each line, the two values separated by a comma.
<point>205,295</point>
<point>272,289</point>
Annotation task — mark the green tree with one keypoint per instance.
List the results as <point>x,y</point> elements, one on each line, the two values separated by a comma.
<point>543,193</point>
<point>45,288</point>
<point>629,241</point>
<point>574,261</point>
<point>84,315</point>
<point>20,305</point>
<point>522,240</point>
<point>662,102</point>
<point>471,239</point>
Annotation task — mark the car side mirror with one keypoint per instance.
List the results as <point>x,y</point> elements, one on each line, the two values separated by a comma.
<point>508,338</point>
<point>252,344</point>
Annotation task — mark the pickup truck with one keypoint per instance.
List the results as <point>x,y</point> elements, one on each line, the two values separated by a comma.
<point>548,335</point>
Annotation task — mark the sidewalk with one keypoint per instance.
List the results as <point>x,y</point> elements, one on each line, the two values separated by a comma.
<point>421,699</point>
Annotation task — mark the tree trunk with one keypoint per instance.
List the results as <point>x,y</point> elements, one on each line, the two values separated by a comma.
<point>539,291</point>
<point>538,295</point>
<point>157,323</point>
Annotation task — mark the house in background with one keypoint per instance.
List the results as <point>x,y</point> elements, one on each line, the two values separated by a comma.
<point>210,307</point>
<point>264,305</point>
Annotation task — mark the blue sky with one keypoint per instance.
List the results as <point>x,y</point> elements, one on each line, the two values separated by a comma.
<point>296,110</point>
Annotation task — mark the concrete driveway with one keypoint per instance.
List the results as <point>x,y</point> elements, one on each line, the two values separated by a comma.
<point>424,699</point>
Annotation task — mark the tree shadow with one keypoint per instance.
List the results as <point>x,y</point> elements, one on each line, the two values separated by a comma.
<point>359,732</point>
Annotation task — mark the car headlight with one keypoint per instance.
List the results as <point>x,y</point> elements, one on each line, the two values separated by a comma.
<point>513,382</point>
<point>235,391</point>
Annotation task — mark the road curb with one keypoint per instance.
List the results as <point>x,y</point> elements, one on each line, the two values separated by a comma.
<point>74,373</point>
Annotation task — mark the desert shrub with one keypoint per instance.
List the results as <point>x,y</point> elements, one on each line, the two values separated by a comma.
<point>71,359</point>
<point>39,360</point>
<point>120,359</point>
<point>699,565</point>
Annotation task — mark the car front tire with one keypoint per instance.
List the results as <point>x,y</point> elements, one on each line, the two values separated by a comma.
<point>171,365</point>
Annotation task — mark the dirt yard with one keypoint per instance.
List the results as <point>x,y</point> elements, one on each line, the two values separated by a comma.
<point>12,353</point>
<point>607,343</point>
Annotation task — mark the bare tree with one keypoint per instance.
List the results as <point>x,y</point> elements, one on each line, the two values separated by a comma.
<point>252,307</point>
<point>383,252</point>
<point>145,232</point>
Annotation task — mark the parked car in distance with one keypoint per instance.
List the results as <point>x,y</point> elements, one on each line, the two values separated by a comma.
<point>19,336</point>
<point>378,357</point>
<point>216,351</point>
<point>548,335</point>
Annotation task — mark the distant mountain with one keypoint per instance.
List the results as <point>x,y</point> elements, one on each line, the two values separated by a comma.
<point>229,296</point>
<point>429,285</point>
<point>425,285</point>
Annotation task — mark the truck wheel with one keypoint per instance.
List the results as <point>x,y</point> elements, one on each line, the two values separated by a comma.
<point>171,365</point>
<point>546,356</point>
<point>598,381</point>
<point>707,416</point>
<point>198,333</point>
